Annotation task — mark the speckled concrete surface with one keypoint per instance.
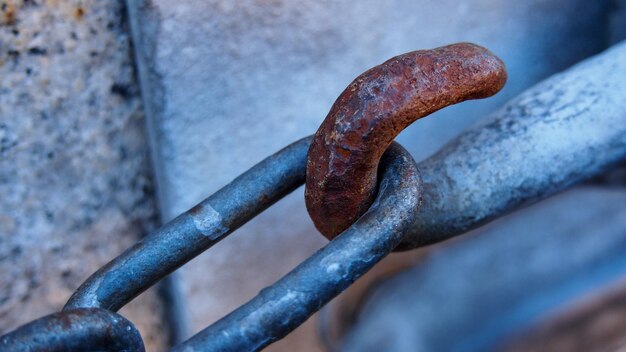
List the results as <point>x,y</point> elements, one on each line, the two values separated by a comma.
<point>75,187</point>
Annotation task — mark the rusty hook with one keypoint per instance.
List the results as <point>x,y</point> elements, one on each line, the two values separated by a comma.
<point>342,162</point>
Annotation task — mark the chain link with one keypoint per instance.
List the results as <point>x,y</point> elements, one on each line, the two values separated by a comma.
<point>488,171</point>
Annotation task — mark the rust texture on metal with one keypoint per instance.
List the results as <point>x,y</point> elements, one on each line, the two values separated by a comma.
<point>344,155</point>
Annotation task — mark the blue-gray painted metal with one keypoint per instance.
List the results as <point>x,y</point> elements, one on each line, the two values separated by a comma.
<point>78,330</point>
<point>280,308</point>
<point>194,231</point>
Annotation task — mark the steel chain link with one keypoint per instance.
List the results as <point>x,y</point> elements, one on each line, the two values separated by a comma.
<point>469,182</point>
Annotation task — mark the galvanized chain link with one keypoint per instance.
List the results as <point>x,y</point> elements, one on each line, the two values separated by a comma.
<point>278,309</point>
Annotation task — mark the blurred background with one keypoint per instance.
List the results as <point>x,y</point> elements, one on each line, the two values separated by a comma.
<point>115,116</point>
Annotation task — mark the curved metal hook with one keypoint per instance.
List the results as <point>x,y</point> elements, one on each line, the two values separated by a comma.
<point>343,159</point>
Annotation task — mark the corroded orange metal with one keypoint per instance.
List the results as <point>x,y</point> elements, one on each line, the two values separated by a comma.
<point>343,159</point>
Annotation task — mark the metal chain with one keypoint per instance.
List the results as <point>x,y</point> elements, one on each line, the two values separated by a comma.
<point>466,184</point>
<point>278,309</point>
<point>82,329</point>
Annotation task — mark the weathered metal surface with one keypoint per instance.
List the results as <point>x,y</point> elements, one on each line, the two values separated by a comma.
<point>194,231</point>
<point>547,23</point>
<point>509,155</point>
<point>498,159</point>
<point>280,308</point>
<point>393,217</point>
<point>343,160</point>
<point>79,330</point>
<point>477,292</point>
<point>566,129</point>
<point>227,82</point>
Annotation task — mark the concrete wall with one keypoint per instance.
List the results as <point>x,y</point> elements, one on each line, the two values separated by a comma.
<point>75,182</point>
